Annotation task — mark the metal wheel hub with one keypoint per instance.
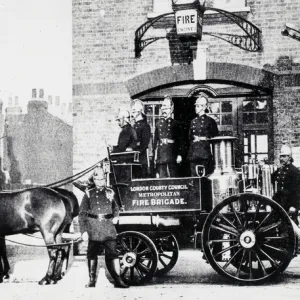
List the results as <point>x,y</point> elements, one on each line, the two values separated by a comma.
<point>129,259</point>
<point>247,239</point>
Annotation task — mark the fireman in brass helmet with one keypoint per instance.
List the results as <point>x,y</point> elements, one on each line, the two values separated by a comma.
<point>143,132</point>
<point>97,210</point>
<point>286,181</point>
<point>127,138</point>
<point>168,142</point>
<point>202,128</point>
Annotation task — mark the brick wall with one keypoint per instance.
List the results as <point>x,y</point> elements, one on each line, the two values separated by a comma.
<point>103,62</point>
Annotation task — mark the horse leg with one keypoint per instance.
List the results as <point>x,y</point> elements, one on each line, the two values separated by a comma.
<point>62,255</point>
<point>52,252</point>
<point>6,266</point>
<point>1,270</point>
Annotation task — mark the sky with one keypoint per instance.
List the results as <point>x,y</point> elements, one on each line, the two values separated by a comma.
<point>35,48</point>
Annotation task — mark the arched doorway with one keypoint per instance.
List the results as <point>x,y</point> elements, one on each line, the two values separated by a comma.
<point>240,102</point>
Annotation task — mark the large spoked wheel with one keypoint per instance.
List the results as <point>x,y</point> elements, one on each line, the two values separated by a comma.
<point>168,250</point>
<point>248,238</point>
<point>138,257</point>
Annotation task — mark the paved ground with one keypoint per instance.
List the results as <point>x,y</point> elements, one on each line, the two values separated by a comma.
<point>191,278</point>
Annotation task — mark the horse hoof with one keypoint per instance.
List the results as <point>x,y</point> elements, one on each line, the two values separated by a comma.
<point>6,276</point>
<point>44,281</point>
<point>1,279</point>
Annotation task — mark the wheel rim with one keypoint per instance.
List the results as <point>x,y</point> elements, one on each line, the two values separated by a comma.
<point>138,257</point>
<point>168,250</point>
<point>248,238</point>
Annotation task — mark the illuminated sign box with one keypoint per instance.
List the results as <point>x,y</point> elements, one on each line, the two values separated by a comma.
<point>186,22</point>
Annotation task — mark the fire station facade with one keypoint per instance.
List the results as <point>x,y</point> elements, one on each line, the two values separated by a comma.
<point>254,95</point>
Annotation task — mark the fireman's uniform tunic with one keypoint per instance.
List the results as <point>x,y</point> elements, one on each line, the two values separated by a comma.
<point>287,179</point>
<point>202,128</point>
<point>127,139</point>
<point>102,232</point>
<point>168,141</point>
<point>143,132</point>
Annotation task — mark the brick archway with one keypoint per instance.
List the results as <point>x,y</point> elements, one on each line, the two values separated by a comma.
<point>184,74</point>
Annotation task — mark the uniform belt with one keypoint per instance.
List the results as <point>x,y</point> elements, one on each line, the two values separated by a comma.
<point>199,138</point>
<point>166,141</point>
<point>100,216</point>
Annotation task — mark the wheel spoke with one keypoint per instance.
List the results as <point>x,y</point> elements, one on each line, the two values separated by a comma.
<point>280,251</point>
<point>123,272</point>
<point>256,211</point>
<point>162,262</point>
<point>228,221</point>
<point>230,260</point>
<point>222,240</point>
<point>146,251</point>
<point>250,264</point>
<point>143,268</point>
<point>228,228</point>
<point>269,227</point>
<point>165,255</point>
<point>130,243</point>
<point>282,237</point>
<point>139,272</point>
<point>124,245</point>
<point>261,264</point>
<point>235,214</point>
<point>272,261</point>
<point>237,274</point>
<point>226,249</point>
<point>138,244</point>
<point>263,221</point>
<point>131,273</point>
<point>223,230</point>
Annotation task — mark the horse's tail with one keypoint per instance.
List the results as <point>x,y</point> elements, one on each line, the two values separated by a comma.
<point>70,196</point>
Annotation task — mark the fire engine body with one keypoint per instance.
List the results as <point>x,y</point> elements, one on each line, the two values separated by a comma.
<point>245,236</point>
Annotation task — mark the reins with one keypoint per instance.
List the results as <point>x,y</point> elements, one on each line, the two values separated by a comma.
<point>60,182</point>
<point>78,240</point>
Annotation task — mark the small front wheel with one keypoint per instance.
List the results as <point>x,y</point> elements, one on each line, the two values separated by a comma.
<point>138,257</point>
<point>168,251</point>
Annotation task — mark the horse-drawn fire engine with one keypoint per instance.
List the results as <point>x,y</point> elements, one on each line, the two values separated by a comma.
<point>244,235</point>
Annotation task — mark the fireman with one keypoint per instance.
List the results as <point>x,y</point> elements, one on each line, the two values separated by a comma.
<point>286,181</point>
<point>143,132</point>
<point>202,128</point>
<point>97,210</point>
<point>127,138</point>
<point>168,142</point>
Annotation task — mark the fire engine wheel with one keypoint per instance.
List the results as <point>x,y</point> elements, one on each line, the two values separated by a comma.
<point>248,238</point>
<point>138,257</point>
<point>168,250</point>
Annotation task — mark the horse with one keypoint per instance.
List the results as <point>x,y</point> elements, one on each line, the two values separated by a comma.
<point>42,209</point>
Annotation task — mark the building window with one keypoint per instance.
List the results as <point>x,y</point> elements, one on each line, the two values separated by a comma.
<point>164,6</point>
<point>221,111</point>
<point>255,146</point>
<point>255,111</point>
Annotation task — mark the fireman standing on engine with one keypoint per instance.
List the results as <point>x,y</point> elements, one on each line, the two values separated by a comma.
<point>202,128</point>
<point>97,210</point>
<point>127,138</point>
<point>286,181</point>
<point>143,132</point>
<point>168,142</point>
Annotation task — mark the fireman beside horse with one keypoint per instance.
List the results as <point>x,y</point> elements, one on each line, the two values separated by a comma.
<point>42,209</point>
